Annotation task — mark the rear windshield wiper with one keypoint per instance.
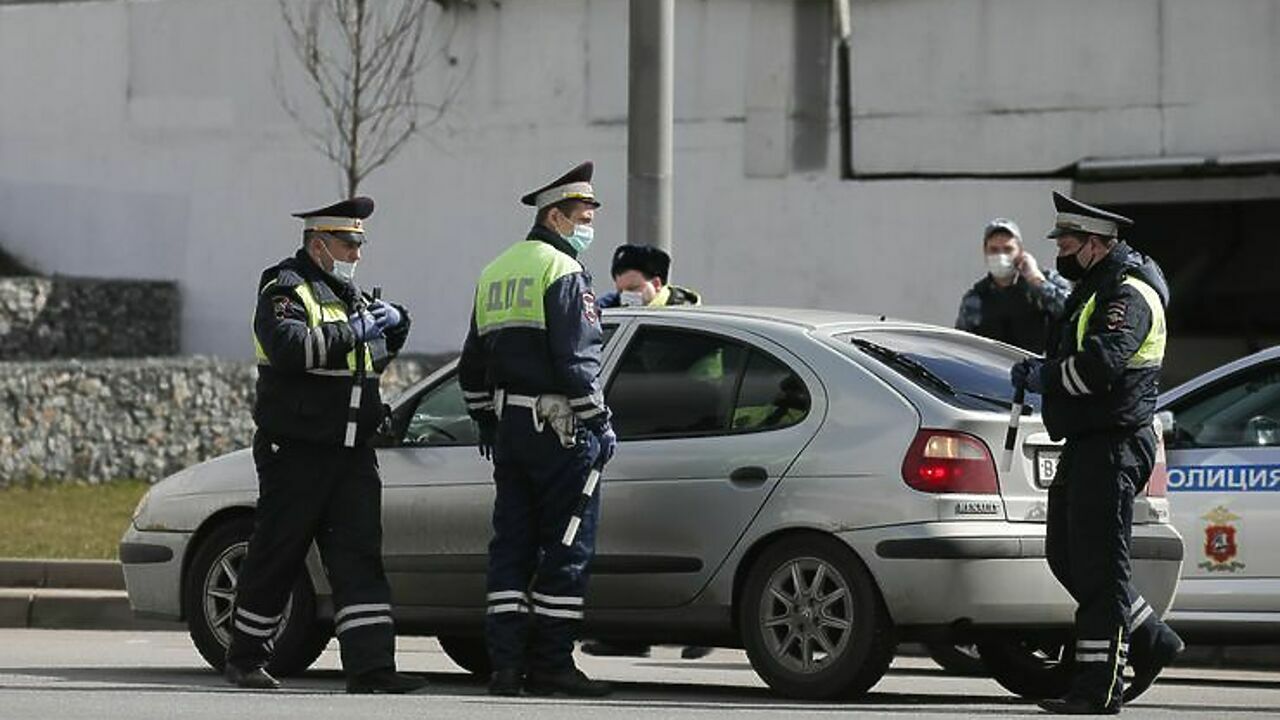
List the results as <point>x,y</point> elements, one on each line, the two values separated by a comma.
<point>917,369</point>
<point>912,366</point>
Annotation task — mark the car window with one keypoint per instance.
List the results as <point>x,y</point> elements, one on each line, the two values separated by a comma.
<point>440,418</point>
<point>1242,410</point>
<point>440,414</point>
<point>676,383</point>
<point>771,396</point>
<point>973,367</point>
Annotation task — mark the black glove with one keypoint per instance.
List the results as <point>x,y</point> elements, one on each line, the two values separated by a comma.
<point>488,434</point>
<point>1026,374</point>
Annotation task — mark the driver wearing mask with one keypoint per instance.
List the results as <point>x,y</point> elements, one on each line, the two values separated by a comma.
<point>640,275</point>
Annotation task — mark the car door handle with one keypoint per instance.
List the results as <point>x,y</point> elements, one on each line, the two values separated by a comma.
<point>750,475</point>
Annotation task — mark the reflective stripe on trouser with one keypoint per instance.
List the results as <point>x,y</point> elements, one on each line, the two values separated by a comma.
<point>331,495</point>
<point>538,483</point>
<point>1087,537</point>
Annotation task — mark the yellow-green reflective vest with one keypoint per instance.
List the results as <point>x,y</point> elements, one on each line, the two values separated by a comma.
<point>511,288</point>
<point>317,313</point>
<point>1151,353</point>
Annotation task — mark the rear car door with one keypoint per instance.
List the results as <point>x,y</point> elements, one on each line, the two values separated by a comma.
<point>708,419</point>
<point>1224,484</point>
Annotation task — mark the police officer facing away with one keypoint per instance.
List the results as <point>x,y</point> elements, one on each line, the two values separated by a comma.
<point>640,274</point>
<point>528,372</point>
<point>320,344</point>
<point>1015,300</point>
<point>1099,380</point>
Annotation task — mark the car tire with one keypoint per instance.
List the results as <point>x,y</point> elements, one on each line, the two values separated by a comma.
<point>833,639</point>
<point>1034,668</point>
<point>468,653</point>
<point>958,659</point>
<point>209,590</point>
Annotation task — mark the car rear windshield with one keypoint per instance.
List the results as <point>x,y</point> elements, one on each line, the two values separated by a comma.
<point>964,370</point>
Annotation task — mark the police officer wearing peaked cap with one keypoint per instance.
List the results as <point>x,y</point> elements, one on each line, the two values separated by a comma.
<point>1099,381</point>
<point>529,372</point>
<point>321,344</point>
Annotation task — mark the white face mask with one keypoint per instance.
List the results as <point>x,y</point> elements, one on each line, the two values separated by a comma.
<point>631,298</point>
<point>1000,265</point>
<point>342,270</point>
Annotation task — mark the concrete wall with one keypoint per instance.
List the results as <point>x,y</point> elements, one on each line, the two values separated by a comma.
<point>147,141</point>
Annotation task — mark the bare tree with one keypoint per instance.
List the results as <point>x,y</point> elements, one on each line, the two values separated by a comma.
<point>363,58</point>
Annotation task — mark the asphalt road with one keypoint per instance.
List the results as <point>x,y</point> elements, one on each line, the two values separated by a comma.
<point>139,675</point>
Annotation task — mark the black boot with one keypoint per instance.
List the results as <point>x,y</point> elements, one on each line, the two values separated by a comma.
<point>1148,666</point>
<point>384,681</point>
<point>1076,705</point>
<point>506,683</point>
<point>255,679</point>
<point>570,682</point>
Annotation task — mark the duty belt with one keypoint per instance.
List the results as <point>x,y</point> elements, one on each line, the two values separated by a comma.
<point>553,410</point>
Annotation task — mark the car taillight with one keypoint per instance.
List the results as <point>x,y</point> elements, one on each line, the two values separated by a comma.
<point>943,461</point>
<point>1158,483</point>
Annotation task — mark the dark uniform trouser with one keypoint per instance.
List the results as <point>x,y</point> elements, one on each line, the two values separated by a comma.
<point>1090,526</point>
<point>332,495</point>
<point>538,485</point>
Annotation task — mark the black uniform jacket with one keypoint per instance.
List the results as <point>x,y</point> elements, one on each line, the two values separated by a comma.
<point>1093,390</point>
<point>296,400</point>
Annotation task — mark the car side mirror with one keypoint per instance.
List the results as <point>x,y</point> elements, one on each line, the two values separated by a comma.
<point>1166,425</point>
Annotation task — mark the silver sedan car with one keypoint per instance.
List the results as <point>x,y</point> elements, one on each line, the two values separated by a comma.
<point>812,486</point>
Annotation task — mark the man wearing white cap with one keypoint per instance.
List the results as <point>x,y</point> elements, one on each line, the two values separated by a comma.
<point>529,374</point>
<point>321,344</point>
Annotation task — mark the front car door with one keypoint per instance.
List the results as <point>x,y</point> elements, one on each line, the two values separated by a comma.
<point>1224,488</point>
<point>438,498</point>
<point>708,420</point>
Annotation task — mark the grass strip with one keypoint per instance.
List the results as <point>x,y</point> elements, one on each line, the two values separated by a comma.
<point>66,520</point>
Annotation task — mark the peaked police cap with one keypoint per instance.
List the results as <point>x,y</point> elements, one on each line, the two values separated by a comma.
<point>344,217</point>
<point>573,185</point>
<point>1076,217</point>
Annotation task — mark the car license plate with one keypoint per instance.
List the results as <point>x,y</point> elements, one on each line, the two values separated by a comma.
<point>1046,466</point>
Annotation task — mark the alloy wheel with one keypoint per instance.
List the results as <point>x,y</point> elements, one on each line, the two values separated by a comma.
<point>807,615</point>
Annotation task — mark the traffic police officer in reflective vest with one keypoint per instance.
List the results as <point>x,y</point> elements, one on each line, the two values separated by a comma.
<point>321,344</point>
<point>529,371</point>
<point>1099,381</point>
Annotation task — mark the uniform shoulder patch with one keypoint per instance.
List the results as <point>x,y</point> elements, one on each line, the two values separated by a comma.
<point>590,312</point>
<point>280,303</point>
<point>1116,313</point>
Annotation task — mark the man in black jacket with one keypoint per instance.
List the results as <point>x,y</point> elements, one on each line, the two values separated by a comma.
<point>1100,380</point>
<point>321,344</point>
<point>1015,301</point>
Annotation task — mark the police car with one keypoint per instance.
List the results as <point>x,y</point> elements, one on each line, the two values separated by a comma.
<point>812,486</point>
<point>1222,432</point>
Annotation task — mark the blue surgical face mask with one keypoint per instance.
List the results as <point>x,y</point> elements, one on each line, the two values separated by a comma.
<point>343,271</point>
<point>581,238</point>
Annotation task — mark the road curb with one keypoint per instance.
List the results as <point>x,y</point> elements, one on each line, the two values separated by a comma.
<point>70,574</point>
<point>72,609</point>
<point>68,595</point>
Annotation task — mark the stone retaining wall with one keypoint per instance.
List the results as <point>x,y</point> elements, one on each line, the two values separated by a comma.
<point>65,317</point>
<point>102,420</point>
